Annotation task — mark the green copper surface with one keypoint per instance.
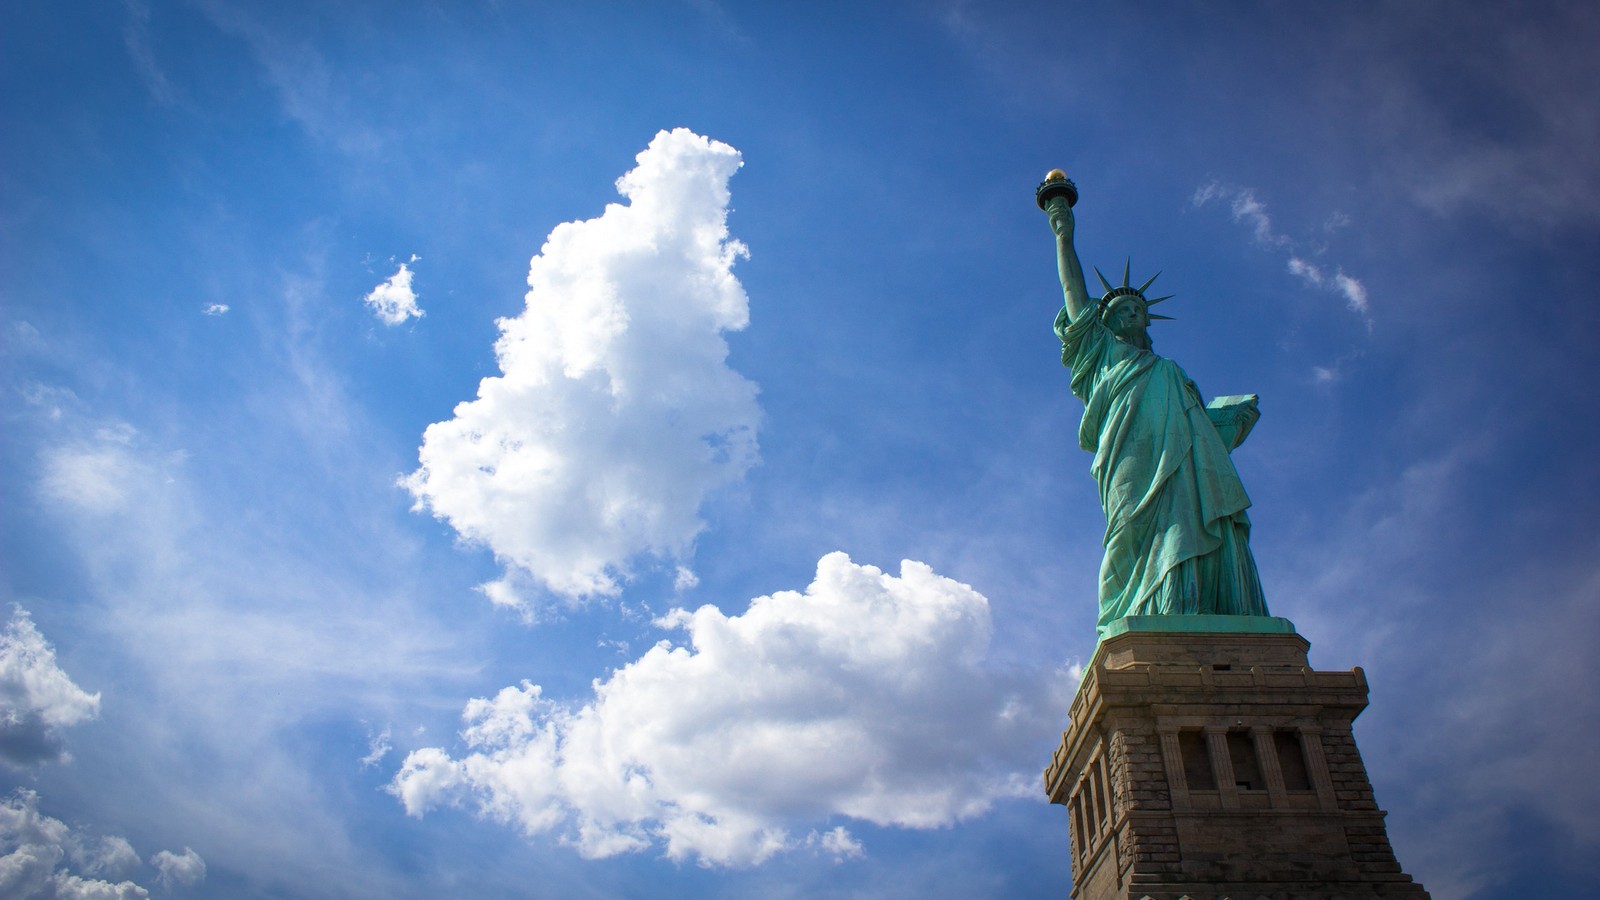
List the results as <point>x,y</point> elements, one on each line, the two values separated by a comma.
<point>1177,540</point>
<point>1194,624</point>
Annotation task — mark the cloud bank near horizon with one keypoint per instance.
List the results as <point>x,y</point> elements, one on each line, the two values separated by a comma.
<point>41,856</point>
<point>615,414</point>
<point>866,696</point>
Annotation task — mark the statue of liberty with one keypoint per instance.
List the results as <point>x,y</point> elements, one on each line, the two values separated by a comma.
<point>1177,536</point>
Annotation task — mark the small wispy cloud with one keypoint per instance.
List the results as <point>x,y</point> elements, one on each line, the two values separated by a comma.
<point>1351,289</point>
<point>186,868</point>
<point>312,90</point>
<point>393,301</point>
<point>1246,208</point>
<point>377,748</point>
<point>215,309</point>
<point>836,842</point>
<point>50,400</point>
<point>1309,272</point>
<point>1355,293</point>
<point>684,580</point>
<point>136,38</point>
<point>1250,211</point>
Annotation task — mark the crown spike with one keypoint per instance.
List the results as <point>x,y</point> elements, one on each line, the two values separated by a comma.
<point>1151,315</point>
<point>1127,267</point>
<point>1103,279</point>
<point>1150,282</point>
<point>1153,301</point>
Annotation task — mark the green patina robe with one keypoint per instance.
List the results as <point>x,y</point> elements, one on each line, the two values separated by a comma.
<point>1177,537</point>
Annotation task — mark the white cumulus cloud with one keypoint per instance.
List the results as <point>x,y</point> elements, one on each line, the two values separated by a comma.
<point>41,857</point>
<point>616,413</point>
<point>37,699</point>
<point>867,696</point>
<point>393,301</point>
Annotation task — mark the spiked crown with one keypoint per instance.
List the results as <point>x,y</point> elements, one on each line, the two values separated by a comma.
<point>1127,290</point>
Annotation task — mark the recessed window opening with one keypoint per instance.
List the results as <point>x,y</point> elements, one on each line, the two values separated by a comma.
<point>1246,769</point>
<point>1100,795</point>
<point>1196,761</point>
<point>1083,825</point>
<point>1292,760</point>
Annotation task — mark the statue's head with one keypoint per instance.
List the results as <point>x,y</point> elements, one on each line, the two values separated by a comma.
<point>1128,317</point>
<point>1126,311</point>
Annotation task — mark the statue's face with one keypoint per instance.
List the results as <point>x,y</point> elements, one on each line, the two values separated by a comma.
<point>1128,320</point>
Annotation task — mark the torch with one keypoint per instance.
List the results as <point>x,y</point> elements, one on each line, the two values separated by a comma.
<point>1055,184</point>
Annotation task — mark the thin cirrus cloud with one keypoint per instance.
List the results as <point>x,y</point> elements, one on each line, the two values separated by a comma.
<point>615,414</point>
<point>866,696</point>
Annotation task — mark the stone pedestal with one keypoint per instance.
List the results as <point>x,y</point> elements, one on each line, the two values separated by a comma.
<point>1219,766</point>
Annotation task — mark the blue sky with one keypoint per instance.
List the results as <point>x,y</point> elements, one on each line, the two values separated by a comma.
<point>751,552</point>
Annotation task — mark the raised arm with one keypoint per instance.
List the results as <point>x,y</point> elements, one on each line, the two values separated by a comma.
<point>1062,223</point>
